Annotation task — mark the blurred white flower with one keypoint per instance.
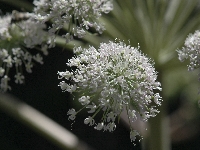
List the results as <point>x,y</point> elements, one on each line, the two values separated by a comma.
<point>4,84</point>
<point>76,15</point>
<point>17,36</point>
<point>191,51</point>
<point>19,78</point>
<point>72,114</point>
<point>113,78</point>
<point>133,135</point>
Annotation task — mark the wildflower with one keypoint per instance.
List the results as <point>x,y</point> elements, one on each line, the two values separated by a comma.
<point>16,38</point>
<point>75,15</point>
<point>99,126</point>
<point>4,84</point>
<point>72,114</point>
<point>113,78</point>
<point>133,135</point>
<point>84,100</point>
<point>89,121</point>
<point>191,51</point>
<point>19,78</point>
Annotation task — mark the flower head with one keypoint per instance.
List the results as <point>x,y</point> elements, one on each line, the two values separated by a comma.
<point>191,51</point>
<point>120,76</point>
<point>16,38</point>
<point>75,15</point>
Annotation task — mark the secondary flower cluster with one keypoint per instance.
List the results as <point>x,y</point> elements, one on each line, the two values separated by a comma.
<point>76,15</point>
<point>191,51</point>
<point>113,78</point>
<point>15,37</point>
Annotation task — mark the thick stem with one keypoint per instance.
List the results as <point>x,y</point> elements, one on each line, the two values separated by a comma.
<point>159,137</point>
<point>159,131</point>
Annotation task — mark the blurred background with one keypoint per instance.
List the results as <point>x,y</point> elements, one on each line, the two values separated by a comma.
<point>160,27</point>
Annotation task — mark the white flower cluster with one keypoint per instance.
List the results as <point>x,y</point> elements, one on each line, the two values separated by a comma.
<point>191,51</point>
<point>15,38</point>
<point>77,15</point>
<point>113,78</point>
<point>4,23</point>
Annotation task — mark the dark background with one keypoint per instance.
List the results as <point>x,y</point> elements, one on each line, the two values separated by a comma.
<point>41,91</point>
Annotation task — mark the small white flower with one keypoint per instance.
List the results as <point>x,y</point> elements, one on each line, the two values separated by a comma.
<point>38,58</point>
<point>72,114</point>
<point>27,33</point>
<point>8,61</point>
<point>4,28</point>
<point>84,100</point>
<point>157,99</point>
<point>65,74</point>
<point>111,116</point>
<point>17,61</point>
<point>89,121</point>
<point>17,52</point>
<point>153,112</point>
<point>66,87</point>
<point>104,103</point>
<point>19,78</point>
<point>111,127</point>
<point>28,56</point>
<point>29,66</point>
<point>92,108</point>
<point>132,115</point>
<point>133,135</point>
<point>3,53</point>
<point>99,126</point>
<point>145,116</point>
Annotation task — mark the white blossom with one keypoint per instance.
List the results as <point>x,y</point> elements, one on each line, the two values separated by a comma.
<point>19,78</point>
<point>26,33</point>
<point>72,114</point>
<point>84,100</point>
<point>75,15</point>
<point>4,24</point>
<point>133,135</point>
<point>113,78</point>
<point>191,51</point>
<point>110,127</point>
<point>89,121</point>
<point>92,108</point>
<point>99,126</point>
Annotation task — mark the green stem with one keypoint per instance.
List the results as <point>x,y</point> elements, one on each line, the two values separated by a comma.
<point>159,131</point>
<point>61,42</point>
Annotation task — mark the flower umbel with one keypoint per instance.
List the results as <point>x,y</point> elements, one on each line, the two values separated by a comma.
<point>16,39</point>
<point>75,15</point>
<point>191,51</point>
<point>113,78</point>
